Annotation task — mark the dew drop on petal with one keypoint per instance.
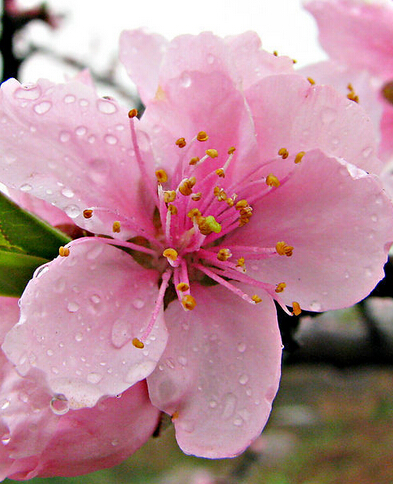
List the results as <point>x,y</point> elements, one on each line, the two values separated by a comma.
<point>72,211</point>
<point>106,106</point>
<point>182,360</point>
<point>138,303</point>
<point>229,404</point>
<point>28,91</point>
<point>26,187</point>
<point>72,307</point>
<point>84,103</point>
<point>91,139</point>
<point>110,139</point>
<point>5,439</point>
<point>241,347</point>
<point>80,130</point>
<point>59,405</point>
<point>69,99</point>
<point>43,107</point>
<point>94,378</point>
<point>49,352</point>
<point>366,152</point>
<point>185,80</point>
<point>4,404</point>
<point>315,306</point>
<point>95,298</point>
<point>78,337</point>
<point>115,442</point>
<point>243,379</point>
<point>67,192</point>
<point>64,136</point>
<point>212,404</point>
<point>238,422</point>
<point>210,58</point>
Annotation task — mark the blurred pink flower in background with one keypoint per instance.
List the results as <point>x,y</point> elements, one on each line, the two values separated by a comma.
<point>242,184</point>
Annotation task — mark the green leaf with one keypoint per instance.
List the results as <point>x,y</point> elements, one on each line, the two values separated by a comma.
<point>15,272</point>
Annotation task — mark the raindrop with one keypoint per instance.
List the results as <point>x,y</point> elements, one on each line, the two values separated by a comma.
<point>4,404</point>
<point>110,139</point>
<point>138,303</point>
<point>182,360</point>
<point>72,307</point>
<point>95,298</point>
<point>315,306</point>
<point>59,405</point>
<point>243,379</point>
<point>43,107</point>
<point>28,91</point>
<point>212,404</point>
<point>115,442</point>
<point>69,99</point>
<point>6,439</point>
<point>366,152</point>
<point>50,352</point>
<point>55,370</point>
<point>67,192</point>
<point>185,79</point>
<point>228,405</point>
<point>105,106</point>
<point>94,377</point>
<point>84,103</point>
<point>78,337</point>
<point>33,129</point>
<point>41,270</point>
<point>91,139</point>
<point>238,422</point>
<point>346,275</point>
<point>374,218</point>
<point>72,211</point>
<point>121,333</point>
<point>80,130</point>
<point>120,127</point>
<point>25,187</point>
<point>241,347</point>
<point>64,136</point>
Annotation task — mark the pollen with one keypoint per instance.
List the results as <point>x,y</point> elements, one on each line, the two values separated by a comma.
<point>220,172</point>
<point>138,343</point>
<point>352,96</point>
<point>283,152</point>
<point>224,254</point>
<point>194,160</point>
<point>88,213</point>
<point>284,249</point>
<point>241,204</point>
<point>311,80</point>
<point>296,308</point>
<point>64,251</point>
<point>220,194</point>
<point>208,224</point>
<point>230,201</point>
<point>299,156</point>
<point>194,213</point>
<point>170,254</point>
<point>169,196</point>
<point>196,196</point>
<point>241,264</point>
<point>212,153</point>
<point>202,136</point>
<point>182,287</point>
<point>172,209</point>
<point>272,181</point>
<point>185,188</point>
<point>188,302</point>
<point>256,299</point>
<point>231,150</point>
<point>116,227</point>
<point>161,176</point>
<point>132,113</point>
<point>181,143</point>
<point>280,287</point>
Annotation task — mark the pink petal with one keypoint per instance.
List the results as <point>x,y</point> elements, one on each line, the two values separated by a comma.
<point>9,311</point>
<point>79,315</point>
<point>340,223</point>
<point>358,34</point>
<point>290,113</point>
<point>59,141</point>
<point>219,372</point>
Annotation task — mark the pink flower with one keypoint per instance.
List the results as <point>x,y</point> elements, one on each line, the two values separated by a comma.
<point>242,184</point>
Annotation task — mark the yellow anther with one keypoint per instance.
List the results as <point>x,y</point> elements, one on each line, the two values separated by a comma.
<point>194,213</point>
<point>241,263</point>
<point>220,172</point>
<point>212,153</point>
<point>299,156</point>
<point>186,187</point>
<point>194,160</point>
<point>64,251</point>
<point>116,227</point>
<point>256,299</point>
<point>188,302</point>
<point>387,91</point>
<point>161,176</point>
<point>241,204</point>
<point>284,249</point>
<point>272,181</point>
<point>208,224</point>
<point>175,415</point>
<point>87,213</point>
<point>202,136</point>
<point>170,254</point>
<point>311,80</point>
<point>181,142</point>
<point>230,202</point>
<point>196,196</point>
<point>220,194</point>
<point>169,196</point>
<point>294,61</point>
<point>283,152</point>
<point>296,308</point>
<point>280,287</point>
<point>224,254</point>
<point>275,53</point>
<point>352,96</point>
<point>182,287</point>
<point>231,150</point>
<point>133,113</point>
<point>172,209</point>
<point>138,343</point>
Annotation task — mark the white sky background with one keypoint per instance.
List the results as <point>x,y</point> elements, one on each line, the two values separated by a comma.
<point>90,30</point>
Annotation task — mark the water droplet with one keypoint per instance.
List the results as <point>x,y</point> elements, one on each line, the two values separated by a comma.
<point>33,129</point>
<point>49,352</point>
<point>69,99</point>
<point>72,307</point>
<point>94,378</point>
<point>6,439</point>
<point>138,303</point>
<point>182,360</point>
<point>55,370</point>
<point>43,107</point>
<point>72,211</point>
<point>28,91</point>
<point>23,397</point>
<point>170,363</point>
<point>374,218</point>
<point>4,404</point>
<point>328,115</point>
<point>91,139</point>
<point>241,347</point>
<point>121,333</point>
<point>243,379</point>
<point>64,136</point>
<point>41,270</point>
<point>80,130</point>
<point>59,405</point>
<point>110,139</point>
<point>185,80</point>
<point>25,187</point>
<point>78,337</point>
<point>238,422</point>
<point>346,275</point>
<point>315,306</point>
<point>212,404</point>
<point>106,106</point>
<point>84,103</point>
<point>115,442</point>
<point>67,192</point>
<point>95,298</point>
<point>366,152</point>
<point>229,404</point>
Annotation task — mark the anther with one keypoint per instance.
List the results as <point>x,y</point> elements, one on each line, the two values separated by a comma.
<point>194,212</point>
<point>220,194</point>
<point>202,136</point>
<point>220,172</point>
<point>194,160</point>
<point>272,181</point>
<point>224,254</point>
<point>311,80</point>
<point>170,254</point>
<point>231,150</point>
<point>169,196</point>
<point>241,264</point>
<point>212,153</point>
<point>275,53</point>
<point>161,176</point>
<point>299,156</point>
<point>256,299</point>
<point>181,142</point>
<point>64,251</point>
<point>182,287</point>
<point>283,152</point>
<point>241,204</point>
<point>138,343</point>
<point>172,209</point>
<point>116,227</point>
<point>296,308</point>
<point>175,415</point>
<point>352,96</point>
<point>280,287</point>
<point>196,196</point>
<point>188,302</point>
<point>185,187</point>
<point>284,249</point>
<point>208,224</point>
<point>88,213</point>
<point>132,113</point>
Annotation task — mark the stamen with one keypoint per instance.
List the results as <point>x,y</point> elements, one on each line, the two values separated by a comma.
<point>352,96</point>
<point>283,152</point>
<point>188,302</point>
<point>116,227</point>
<point>172,209</point>
<point>224,254</point>
<point>170,254</point>
<point>280,287</point>
<point>311,80</point>
<point>185,187</point>
<point>208,224</point>
<point>138,343</point>
<point>220,172</point>
<point>296,308</point>
<point>256,299</point>
<point>88,213</point>
<point>194,160</point>
<point>202,136</point>
<point>169,196</point>
<point>196,196</point>
<point>161,176</point>
<point>272,181</point>
<point>181,143</point>
<point>299,156</point>
<point>132,113</point>
<point>183,287</point>
<point>284,249</point>
<point>194,212</point>
<point>241,264</point>
<point>64,251</point>
<point>212,153</point>
<point>220,194</point>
